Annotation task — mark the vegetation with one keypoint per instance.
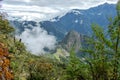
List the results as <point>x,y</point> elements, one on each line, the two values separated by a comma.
<point>5,71</point>
<point>101,61</point>
<point>103,54</point>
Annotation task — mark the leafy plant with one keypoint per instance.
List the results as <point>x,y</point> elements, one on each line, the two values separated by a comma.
<point>5,71</point>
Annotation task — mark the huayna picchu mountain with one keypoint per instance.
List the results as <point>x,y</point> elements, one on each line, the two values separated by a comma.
<point>72,40</point>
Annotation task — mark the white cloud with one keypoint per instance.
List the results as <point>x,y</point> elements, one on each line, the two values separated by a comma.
<point>29,12</point>
<point>36,39</point>
<point>61,3</point>
<point>46,9</point>
<point>27,1</point>
<point>28,8</point>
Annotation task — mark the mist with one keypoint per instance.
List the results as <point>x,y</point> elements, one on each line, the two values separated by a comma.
<point>36,39</point>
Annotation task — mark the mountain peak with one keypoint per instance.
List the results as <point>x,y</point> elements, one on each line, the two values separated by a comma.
<point>71,40</point>
<point>106,4</point>
<point>73,33</point>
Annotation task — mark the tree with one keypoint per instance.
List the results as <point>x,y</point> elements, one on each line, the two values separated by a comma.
<point>104,50</point>
<point>103,54</point>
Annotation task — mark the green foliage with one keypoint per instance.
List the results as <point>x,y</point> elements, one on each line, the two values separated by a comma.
<point>105,51</point>
<point>5,27</point>
<point>17,50</point>
<point>44,68</point>
<point>39,69</point>
<point>118,8</point>
<point>76,68</point>
<point>103,54</point>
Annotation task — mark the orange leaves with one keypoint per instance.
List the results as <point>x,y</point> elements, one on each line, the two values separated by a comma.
<point>5,72</point>
<point>8,75</point>
<point>6,62</point>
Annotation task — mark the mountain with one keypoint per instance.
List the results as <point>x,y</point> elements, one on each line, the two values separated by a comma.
<point>22,25</point>
<point>72,40</point>
<point>78,20</point>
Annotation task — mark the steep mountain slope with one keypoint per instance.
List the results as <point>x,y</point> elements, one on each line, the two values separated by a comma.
<point>72,40</point>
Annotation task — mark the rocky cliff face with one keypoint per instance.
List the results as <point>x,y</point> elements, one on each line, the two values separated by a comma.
<point>73,40</point>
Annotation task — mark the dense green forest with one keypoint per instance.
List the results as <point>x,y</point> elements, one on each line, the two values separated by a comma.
<point>100,62</point>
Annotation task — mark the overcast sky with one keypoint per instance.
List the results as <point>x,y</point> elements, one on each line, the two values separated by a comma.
<point>46,8</point>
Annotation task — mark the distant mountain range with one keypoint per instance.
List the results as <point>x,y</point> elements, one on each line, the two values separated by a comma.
<point>78,20</point>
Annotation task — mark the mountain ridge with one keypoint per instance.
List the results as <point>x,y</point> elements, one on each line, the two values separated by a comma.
<point>78,20</point>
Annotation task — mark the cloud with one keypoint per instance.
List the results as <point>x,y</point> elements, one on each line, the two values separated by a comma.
<point>37,39</point>
<point>59,3</point>
<point>29,12</point>
<point>46,9</point>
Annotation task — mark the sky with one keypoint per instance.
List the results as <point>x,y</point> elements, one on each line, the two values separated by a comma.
<point>46,9</point>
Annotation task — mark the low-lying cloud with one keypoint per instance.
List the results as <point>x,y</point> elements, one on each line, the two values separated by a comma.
<point>37,39</point>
